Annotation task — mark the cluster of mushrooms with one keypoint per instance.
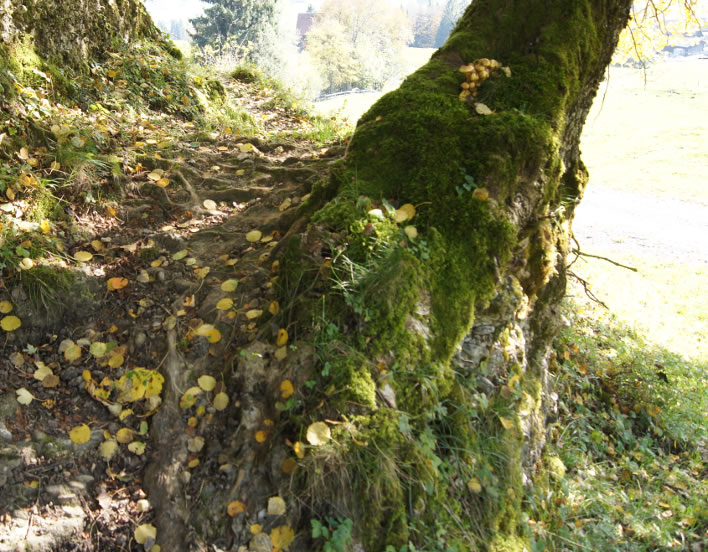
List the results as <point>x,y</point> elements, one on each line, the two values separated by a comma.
<point>476,73</point>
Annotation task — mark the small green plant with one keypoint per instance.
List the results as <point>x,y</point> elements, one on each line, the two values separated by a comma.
<point>337,534</point>
<point>468,185</point>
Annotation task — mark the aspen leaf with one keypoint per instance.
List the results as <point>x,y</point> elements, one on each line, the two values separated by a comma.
<point>51,380</point>
<point>180,255</point>
<point>195,444</point>
<point>482,109</point>
<point>144,532</point>
<point>247,148</point>
<point>189,398</point>
<point>125,413</point>
<point>10,323</point>
<point>506,422</point>
<point>124,435</point>
<point>207,383</point>
<point>72,353</point>
<point>137,447</point>
<point>26,263</point>
<point>253,314</point>
<point>97,245</point>
<point>203,330</point>
<point>153,388</point>
<point>83,256</point>
<point>214,336</point>
<point>282,537</point>
<point>108,448</point>
<point>285,205</point>
<point>274,308</point>
<point>318,433</point>
<point>299,449</point>
<point>282,337</point>
<point>261,436</point>
<point>5,307</point>
<point>229,285</point>
<point>225,304</point>
<point>116,360</point>
<point>23,396</point>
<point>193,463</point>
<point>474,485</point>
<point>163,182</point>
<point>98,349</point>
<point>202,273</point>
<point>286,389</point>
<point>254,236</point>
<point>481,194</point>
<point>256,529</point>
<point>155,175</point>
<point>281,353</point>
<point>221,401</point>
<point>276,506</point>
<point>235,508</point>
<point>45,226</point>
<point>114,284</point>
<point>411,232</point>
<point>80,434</point>
<point>42,371</point>
<point>209,204</point>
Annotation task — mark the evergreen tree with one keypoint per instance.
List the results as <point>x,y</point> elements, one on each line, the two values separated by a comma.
<point>239,23</point>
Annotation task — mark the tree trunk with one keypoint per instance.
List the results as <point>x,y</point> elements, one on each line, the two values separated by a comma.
<point>440,365</point>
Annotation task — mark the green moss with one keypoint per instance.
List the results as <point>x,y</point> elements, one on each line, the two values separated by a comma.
<point>149,253</point>
<point>215,90</point>
<point>339,213</point>
<point>45,206</point>
<point>353,383</point>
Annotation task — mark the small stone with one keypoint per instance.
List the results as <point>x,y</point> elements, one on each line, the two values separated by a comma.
<point>140,339</point>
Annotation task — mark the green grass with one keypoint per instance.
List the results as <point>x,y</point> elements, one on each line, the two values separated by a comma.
<point>632,432</point>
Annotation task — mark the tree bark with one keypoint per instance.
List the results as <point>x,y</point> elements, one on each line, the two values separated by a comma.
<point>453,329</point>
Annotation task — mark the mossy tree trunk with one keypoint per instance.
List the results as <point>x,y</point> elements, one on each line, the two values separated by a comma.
<point>441,366</point>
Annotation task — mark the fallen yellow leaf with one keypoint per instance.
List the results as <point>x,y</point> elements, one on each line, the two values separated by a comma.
<point>80,434</point>
<point>10,323</point>
<point>318,433</point>
<point>236,507</point>
<point>286,389</point>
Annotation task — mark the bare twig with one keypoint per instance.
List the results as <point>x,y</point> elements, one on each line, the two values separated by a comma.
<point>586,287</point>
<point>579,253</point>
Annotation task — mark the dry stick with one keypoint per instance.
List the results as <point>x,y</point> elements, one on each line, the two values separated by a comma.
<point>579,253</point>
<point>586,287</point>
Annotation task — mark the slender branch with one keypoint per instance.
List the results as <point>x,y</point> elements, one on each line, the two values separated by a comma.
<point>581,254</point>
<point>586,288</point>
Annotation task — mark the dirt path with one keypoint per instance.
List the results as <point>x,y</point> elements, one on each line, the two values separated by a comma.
<point>609,221</point>
<point>181,286</point>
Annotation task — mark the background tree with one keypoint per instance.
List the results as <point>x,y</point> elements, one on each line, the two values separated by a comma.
<point>240,23</point>
<point>373,33</point>
<point>451,13</point>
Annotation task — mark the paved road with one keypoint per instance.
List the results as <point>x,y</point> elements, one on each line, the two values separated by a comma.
<point>610,221</point>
